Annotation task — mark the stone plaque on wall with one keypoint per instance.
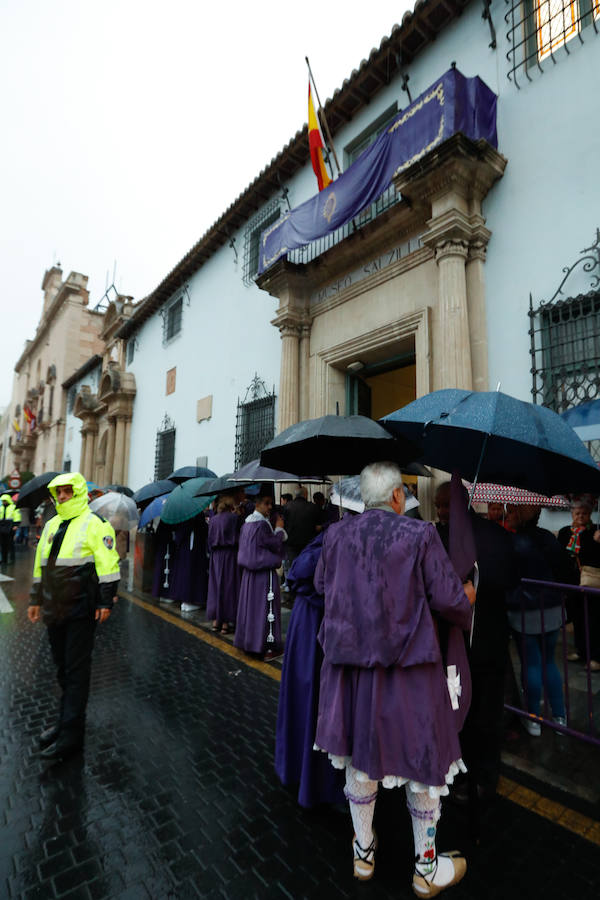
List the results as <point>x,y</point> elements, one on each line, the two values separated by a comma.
<point>171,380</point>
<point>204,409</point>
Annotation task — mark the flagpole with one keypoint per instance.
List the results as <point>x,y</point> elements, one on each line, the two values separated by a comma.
<point>322,111</point>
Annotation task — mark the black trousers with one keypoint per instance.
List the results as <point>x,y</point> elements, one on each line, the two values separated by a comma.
<point>482,734</point>
<point>72,642</point>
<point>7,546</point>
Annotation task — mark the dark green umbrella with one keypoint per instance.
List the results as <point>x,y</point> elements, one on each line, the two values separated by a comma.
<point>181,504</point>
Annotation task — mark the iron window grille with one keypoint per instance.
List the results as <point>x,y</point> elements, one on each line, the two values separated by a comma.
<point>255,422</point>
<point>164,456</point>
<point>171,316</point>
<point>538,28</point>
<point>267,216</point>
<point>565,340</point>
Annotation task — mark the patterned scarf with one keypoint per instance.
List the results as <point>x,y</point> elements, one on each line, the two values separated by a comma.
<point>574,545</point>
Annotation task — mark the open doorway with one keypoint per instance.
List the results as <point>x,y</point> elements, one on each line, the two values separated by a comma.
<point>376,389</point>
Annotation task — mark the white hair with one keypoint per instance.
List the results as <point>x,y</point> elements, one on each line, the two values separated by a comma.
<point>378,482</point>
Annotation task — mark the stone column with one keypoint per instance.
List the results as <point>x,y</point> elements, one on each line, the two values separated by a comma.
<point>83,452</point>
<point>90,447</point>
<point>455,364</point>
<point>477,313</point>
<point>127,449</point>
<point>119,450</point>
<point>303,371</point>
<point>289,408</point>
<point>110,451</point>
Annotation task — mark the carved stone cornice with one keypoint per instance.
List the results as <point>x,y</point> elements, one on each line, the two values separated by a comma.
<point>460,166</point>
<point>284,280</point>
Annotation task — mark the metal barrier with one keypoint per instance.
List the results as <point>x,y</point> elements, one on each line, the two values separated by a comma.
<point>589,734</point>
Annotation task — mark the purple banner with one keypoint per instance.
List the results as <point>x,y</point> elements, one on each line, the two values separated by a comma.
<point>452,104</point>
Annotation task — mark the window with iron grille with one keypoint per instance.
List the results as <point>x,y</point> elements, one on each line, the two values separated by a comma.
<point>538,28</point>
<point>164,457</point>
<point>172,320</point>
<point>565,338</point>
<point>267,216</point>
<point>255,423</point>
<point>568,355</point>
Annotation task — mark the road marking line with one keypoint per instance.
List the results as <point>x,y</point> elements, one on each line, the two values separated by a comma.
<point>5,577</point>
<point>587,828</point>
<point>5,606</point>
<point>578,824</point>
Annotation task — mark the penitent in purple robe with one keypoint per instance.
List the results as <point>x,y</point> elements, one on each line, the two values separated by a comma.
<point>224,573</point>
<point>190,564</point>
<point>260,553</point>
<point>384,701</point>
<point>296,761</point>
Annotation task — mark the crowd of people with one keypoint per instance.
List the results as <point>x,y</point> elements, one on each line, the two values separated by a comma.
<point>233,560</point>
<point>395,662</point>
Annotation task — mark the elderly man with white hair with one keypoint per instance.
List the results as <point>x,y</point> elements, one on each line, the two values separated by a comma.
<point>385,712</point>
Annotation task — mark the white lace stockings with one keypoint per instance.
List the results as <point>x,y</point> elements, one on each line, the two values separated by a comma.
<point>361,796</point>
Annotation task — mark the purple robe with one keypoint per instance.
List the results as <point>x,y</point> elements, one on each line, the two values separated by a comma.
<point>260,553</point>
<point>189,569</point>
<point>224,574</point>
<point>384,697</point>
<point>296,762</point>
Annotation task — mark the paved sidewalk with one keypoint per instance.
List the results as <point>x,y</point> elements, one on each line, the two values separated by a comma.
<point>176,797</point>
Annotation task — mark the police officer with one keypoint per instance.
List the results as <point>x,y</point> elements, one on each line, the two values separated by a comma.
<point>7,528</point>
<point>75,581</point>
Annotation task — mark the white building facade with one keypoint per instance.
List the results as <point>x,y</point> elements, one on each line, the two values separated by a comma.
<point>451,279</point>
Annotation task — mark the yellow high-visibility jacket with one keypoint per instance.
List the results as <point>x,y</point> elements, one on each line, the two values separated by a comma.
<point>85,574</point>
<point>7,513</point>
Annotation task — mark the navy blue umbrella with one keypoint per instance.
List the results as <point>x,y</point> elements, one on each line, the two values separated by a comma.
<point>491,436</point>
<point>153,489</point>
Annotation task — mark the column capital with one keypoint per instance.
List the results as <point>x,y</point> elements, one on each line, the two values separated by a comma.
<point>478,250</point>
<point>451,248</point>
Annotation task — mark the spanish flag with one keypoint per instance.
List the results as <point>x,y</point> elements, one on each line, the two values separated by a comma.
<point>315,143</point>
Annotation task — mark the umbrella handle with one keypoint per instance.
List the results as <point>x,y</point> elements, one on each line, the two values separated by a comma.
<point>475,480</point>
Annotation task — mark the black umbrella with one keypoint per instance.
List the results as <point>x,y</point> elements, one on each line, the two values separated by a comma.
<point>491,436</point>
<point>153,489</point>
<point>254,473</point>
<point>118,489</point>
<point>186,472</point>
<point>340,445</point>
<point>36,491</point>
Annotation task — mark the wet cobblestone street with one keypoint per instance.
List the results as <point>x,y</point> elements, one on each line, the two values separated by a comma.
<point>176,796</point>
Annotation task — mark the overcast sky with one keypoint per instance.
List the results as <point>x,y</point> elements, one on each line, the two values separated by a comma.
<point>129,126</point>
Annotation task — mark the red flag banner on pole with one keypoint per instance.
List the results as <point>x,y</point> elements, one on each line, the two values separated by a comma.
<point>315,143</point>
